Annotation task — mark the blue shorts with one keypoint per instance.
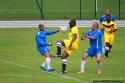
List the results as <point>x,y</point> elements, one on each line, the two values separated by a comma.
<point>42,50</point>
<point>94,52</point>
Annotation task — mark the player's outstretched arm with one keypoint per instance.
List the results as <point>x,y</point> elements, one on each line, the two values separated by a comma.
<point>51,32</point>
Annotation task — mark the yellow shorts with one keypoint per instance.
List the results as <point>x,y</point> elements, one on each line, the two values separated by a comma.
<point>66,48</point>
<point>109,39</point>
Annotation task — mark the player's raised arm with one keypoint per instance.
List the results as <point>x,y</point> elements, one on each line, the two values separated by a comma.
<point>51,32</point>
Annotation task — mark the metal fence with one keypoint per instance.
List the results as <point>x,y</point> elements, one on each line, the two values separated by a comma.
<point>59,9</point>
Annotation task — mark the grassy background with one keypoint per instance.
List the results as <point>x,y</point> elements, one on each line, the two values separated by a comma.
<point>57,9</point>
<point>18,53</point>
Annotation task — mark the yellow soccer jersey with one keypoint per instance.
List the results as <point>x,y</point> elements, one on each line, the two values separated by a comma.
<point>74,30</point>
<point>108,27</point>
<point>108,37</point>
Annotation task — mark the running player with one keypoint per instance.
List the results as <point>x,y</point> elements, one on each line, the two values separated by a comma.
<point>109,28</point>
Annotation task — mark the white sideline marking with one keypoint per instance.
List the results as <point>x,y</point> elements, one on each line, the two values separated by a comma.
<point>64,76</point>
<point>25,76</point>
<point>12,63</point>
<point>24,66</point>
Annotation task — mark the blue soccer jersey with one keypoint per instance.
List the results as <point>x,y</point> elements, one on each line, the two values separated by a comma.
<point>96,43</point>
<point>103,18</point>
<point>41,41</point>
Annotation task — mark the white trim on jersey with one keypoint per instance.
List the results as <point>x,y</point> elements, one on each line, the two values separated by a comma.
<point>97,43</point>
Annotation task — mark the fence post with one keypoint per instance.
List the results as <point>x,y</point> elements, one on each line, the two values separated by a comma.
<point>95,8</point>
<point>119,9</point>
<point>40,8</point>
<point>80,9</point>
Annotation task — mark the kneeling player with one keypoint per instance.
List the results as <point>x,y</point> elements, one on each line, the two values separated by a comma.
<point>70,44</point>
<point>95,38</point>
<point>42,46</point>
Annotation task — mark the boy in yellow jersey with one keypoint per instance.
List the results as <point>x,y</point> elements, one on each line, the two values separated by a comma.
<point>109,28</point>
<point>70,45</point>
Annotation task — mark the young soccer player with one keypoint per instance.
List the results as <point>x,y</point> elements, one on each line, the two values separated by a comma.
<point>107,13</point>
<point>42,47</point>
<point>109,28</point>
<point>95,39</point>
<point>70,45</point>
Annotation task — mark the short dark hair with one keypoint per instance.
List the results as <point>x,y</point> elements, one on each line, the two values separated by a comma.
<point>73,21</point>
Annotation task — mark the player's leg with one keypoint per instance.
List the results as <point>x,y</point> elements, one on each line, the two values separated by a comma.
<point>83,62</point>
<point>107,48</point>
<point>46,64</point>
<point>108,44</point>
<point>59,45</point>
<point>64,61</point>
<point>111,42</point>
<point>43,65</point>
<point>48,61</point>
<point>42,52</point>
<point>98,59</point>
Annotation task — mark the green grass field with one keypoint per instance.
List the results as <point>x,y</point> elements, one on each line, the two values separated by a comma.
<point>57,9</point>
<point>20,61</point>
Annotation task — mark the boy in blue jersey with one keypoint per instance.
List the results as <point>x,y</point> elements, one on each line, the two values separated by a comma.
<point>42,47</point>
<point>107,13</point>
<point>95,39</point>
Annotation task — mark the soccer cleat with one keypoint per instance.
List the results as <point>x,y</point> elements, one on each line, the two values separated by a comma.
<point>57,56</point>
<point>63,72</point>
<point>50,69</point>
<point>43,67</point>
<point>99,71</point>
<point>81,72</point>
<point>105,56</point>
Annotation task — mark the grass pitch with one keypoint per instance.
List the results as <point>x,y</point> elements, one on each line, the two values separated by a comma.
<point>20,61</point>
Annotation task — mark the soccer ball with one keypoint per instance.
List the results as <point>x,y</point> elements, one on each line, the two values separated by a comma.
<point>63,28</point>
